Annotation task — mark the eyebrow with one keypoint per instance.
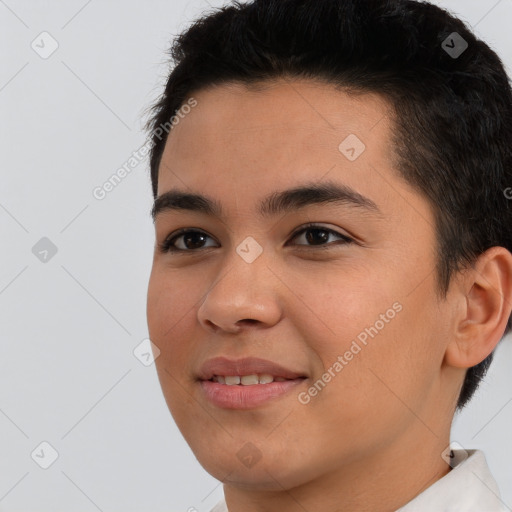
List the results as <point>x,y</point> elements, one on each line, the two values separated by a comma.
<point>276,203</point>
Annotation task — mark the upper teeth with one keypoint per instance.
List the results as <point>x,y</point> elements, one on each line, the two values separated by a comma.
<point>246,380</point>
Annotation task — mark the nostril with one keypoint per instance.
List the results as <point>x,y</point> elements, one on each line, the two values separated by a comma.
<point>249,321</point>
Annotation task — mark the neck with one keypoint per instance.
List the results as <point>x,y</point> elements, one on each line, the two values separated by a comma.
<point>381,482</point>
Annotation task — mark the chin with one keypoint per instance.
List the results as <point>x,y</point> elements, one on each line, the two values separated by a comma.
<point>250,470</point>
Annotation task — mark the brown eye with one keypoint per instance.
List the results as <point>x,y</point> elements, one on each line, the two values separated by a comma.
<point>189,240</point>
<point>317,235</point>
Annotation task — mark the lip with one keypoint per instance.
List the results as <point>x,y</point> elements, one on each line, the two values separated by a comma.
<point>246,397</point>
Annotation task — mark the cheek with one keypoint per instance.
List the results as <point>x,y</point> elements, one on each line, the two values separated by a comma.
<point>169,300</point>
<point>389,340</point>
<point>401,358</point>
<point>341,307</point>
<point>171,307</point>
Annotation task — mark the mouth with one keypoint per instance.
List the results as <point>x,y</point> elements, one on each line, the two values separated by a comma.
<point>246,380</point>
<point>246,383</point>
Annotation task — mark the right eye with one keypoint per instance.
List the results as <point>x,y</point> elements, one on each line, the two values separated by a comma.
<point>189,238</point>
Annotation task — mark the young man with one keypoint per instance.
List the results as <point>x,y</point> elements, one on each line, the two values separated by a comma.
<point>332,269</point>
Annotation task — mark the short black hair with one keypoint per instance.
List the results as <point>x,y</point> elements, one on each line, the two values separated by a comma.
<point>452,104</point>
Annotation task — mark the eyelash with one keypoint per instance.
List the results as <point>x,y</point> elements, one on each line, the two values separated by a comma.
<point>167,245</point>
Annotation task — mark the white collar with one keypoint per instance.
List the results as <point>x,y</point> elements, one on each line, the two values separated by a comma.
<point>468,487</point>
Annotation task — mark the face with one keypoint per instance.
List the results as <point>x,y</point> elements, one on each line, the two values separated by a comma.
<point>296,333</point>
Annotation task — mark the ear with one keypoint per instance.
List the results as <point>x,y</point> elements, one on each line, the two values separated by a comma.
<point>486,304</point>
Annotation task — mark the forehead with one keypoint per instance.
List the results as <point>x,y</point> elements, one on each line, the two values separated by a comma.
<point>240,144</point>
<point>282,115</point>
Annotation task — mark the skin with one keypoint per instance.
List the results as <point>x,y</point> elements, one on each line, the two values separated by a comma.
<point>372,439</point>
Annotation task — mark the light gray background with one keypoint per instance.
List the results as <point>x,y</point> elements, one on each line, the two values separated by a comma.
<point>69,326</point>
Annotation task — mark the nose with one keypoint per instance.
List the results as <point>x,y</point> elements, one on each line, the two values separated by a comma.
<point>242,295</point>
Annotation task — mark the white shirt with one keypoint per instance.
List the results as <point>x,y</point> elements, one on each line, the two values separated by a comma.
<point>468,487</point>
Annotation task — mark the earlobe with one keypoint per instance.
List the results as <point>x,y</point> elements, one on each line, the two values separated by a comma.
<point>488,304</point>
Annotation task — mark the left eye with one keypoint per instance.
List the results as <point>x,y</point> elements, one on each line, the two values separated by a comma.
<point>318,235</point>
<point>312,234</point>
